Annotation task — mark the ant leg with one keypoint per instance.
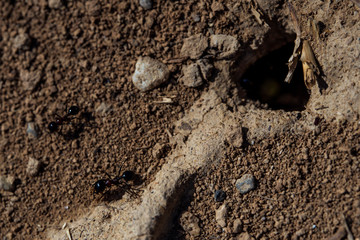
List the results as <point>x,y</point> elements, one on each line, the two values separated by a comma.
<point>107,175</point>
<point>58,116</point>
<point>121,165</point>
<point>132,191</point>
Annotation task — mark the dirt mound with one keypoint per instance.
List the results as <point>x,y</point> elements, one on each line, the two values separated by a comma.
<point>183,143</point>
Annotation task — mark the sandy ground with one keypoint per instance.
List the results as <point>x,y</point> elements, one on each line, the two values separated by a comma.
<point>57,54</point>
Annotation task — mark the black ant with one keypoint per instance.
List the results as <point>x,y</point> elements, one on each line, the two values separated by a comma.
<point>102,184</point>
<point>54,126</point>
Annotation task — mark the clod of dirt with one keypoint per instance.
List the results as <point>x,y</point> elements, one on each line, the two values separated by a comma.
<point>93,7</point>
<point>205,68</point>
<point>103,108</point>
<point>244,236</point>
<point>190,224</point>
<point>194,46</point>
<point>192,76</point>
<point>226,46</point>
<point>237,226</point>
<point>158,150</point>
<point>149,73</point>
<point>30,80</point>
<point>55,4</point>
<point>7,183</point>
<point>196,73</point>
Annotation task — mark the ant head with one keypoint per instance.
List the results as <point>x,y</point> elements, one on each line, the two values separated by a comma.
<point>73,110</point>
<point>53,126</point>
<point>99,186</point>
<point>128,175</point>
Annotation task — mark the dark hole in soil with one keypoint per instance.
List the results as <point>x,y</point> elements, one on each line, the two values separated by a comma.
<point>264,81</point>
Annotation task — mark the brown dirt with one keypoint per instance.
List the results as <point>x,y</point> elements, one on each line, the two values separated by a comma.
<point>85,53</point>
<point>304,183</point>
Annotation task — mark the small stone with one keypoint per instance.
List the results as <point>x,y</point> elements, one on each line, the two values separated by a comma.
<point>103,108</point>
<point>220,215</point>
<point>190,224</point>
<point>149,73</point>
<point>300,233</point>
<point>33,166</point>
<point>146,4</point>
<point>5,127</point>
<point>158,151</point>
<point>93,7</point>
<point>194,46</point>
<point>7,183</point>
<point>195,17</point>
<point>192,76</point>
<point>133,126</point>
<point>226,46</point>
<point>30,80</point>
<point>246,183</point>
<point>55,4</point>
<point>75,144</point>
<point>22,41</point>
<point>220,195</point>
<point>217,6</point>
<point>31,130</point>
<point>244,236</point>
<point>237,226</point>
<point>235,137</point>
<point>205,68</point>
<point>9,236</point>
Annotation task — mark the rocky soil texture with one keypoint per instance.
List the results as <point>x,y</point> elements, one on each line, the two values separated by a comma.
<point>189,97</point>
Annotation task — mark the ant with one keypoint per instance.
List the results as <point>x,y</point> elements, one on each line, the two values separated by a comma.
<point>54,126</point>
<point>102,184</point>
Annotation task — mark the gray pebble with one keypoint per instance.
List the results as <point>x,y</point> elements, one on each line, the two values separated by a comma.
<point>146,4</point>
<point>195,17</point>
<point>220,195</point>
<point>7,183</point>
<point>246,183</point>
<point>31,130</point>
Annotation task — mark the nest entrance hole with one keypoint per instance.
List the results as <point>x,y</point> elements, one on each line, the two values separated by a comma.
<point>264,82</point>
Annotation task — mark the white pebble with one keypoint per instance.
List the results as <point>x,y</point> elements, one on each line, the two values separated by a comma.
<point>33,166</point>
<point>146,4</point>
<point>220,215</point>
<point>149,73</point>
